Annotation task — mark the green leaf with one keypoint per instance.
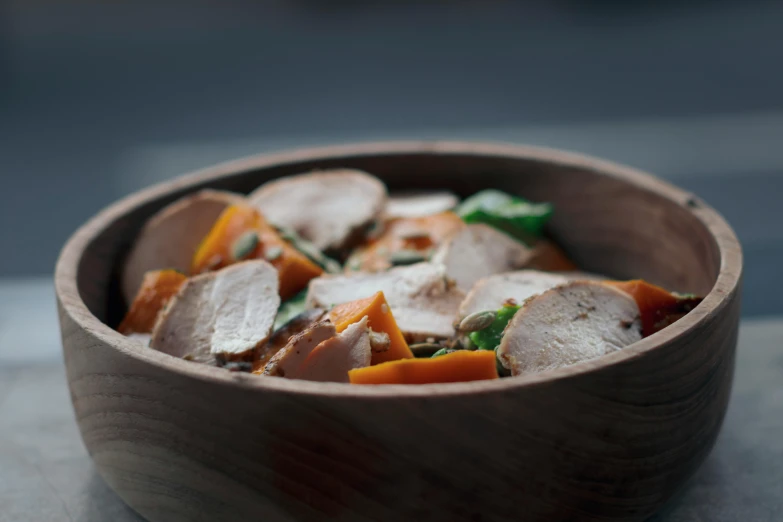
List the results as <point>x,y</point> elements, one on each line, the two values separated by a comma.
<point>290,309</point>
<point>517,217</point>
<point>489,337</point>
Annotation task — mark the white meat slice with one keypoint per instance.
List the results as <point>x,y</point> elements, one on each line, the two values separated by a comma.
<point>331,208</point>
<point>478,251</point>
<point>331,360</point>
<point>290,358</point>
<point>568,324</point>
<point>419,204</point>
<point>491,292</point>
<point>225,314</point>
<point>170,238</point>
<point>423,300</point>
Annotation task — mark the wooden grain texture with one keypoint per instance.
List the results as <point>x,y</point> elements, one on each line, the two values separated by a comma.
<point>607,439</point>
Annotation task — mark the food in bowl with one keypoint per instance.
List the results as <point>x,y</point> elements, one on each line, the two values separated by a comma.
<point>324,276</point>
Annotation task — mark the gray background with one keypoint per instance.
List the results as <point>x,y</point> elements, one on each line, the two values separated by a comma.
<point>100,98</point>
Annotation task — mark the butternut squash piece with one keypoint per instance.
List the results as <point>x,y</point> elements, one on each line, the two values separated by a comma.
<point>380,319</point>
<point>549,257</point>
<point>157,288</point>
<point>460,366</point>
<point>659,308</point>
<point>405,241</point>
<point>242,233</point>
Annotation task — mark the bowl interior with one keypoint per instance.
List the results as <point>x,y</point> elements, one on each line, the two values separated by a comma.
<point>610,219</point>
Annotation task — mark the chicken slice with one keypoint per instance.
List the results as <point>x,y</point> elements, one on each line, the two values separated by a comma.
<point>331,208</point>
<point>478,251</point>
<point>568,324</point>
<point>280,337</point>
<point>331,360</point>
<point>290,358</point>
<point>170,238</point>
<point>225,315</point>
<point>423,300</point>
<point>491,292</point>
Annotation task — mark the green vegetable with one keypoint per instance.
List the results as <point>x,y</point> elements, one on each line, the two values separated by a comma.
<point>443,351</point>
<point>519,218</point>
<point>489,337</point>
<point>290,309</point>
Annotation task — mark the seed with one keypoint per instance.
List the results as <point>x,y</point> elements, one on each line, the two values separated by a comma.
<point>244,245</point>
<point>273,253</point>
<point>443,351</point>
<point>310,250</point>
<point>379,341</point>
<point>406,257</point>
<point>355,264</point>
<point>188,357</point>
<point>425,349</point>
<point>477,321</point>
<point>331,266</point>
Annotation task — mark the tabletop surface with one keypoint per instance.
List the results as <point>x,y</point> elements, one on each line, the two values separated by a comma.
<point>45,473</point>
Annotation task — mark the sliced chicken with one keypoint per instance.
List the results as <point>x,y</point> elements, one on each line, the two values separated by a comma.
<point>419,204</point>
<point>478,251</point>
<point>422,299</point>
<point>491,292</point>
<point>226,314</point>
<point>331,360</point>
<point>568,324</point>
<point>282,335</point>
<point>170,237</point>
<point>331,208</point>
<point>290,358</point>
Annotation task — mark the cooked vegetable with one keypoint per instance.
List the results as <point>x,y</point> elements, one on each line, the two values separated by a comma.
<point>331,208</point>
<point>478,251</point>
<point>515,216</point>
<point>220,316</point>
<point>418,205</point>
<point>568,324</point>
<point>491,292</point>
<point>290,309</point>
<point>550,257</point>
<point>459,366</point>
<point>170,238</point>
<point>404,238</point>
<point>488,338</point>
<point>424,301</point>
<point>659,308</point>
<point>287,361</point>
<point>333,358</point>
<point>157,288</point>
<point>241,232</point>
<point>381,319</point>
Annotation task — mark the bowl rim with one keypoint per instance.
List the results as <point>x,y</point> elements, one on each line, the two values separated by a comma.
<point>68,296</point>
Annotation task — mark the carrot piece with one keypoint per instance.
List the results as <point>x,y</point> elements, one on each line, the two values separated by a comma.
<point>460,366</point>
<point>659,308</point>
<point>419,234</point>
<point>157,287</point>
<point>294,268</point>
<point>379,318</point>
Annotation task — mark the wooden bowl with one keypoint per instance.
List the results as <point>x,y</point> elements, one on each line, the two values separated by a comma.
<point>608,439</point>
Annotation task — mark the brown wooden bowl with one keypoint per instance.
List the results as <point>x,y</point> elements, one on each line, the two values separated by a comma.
<point>608,439</point>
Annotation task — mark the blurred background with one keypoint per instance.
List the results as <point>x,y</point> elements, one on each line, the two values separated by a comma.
<point>98,99</point>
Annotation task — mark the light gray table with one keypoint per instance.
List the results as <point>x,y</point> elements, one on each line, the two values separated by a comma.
<point>46,475</point>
